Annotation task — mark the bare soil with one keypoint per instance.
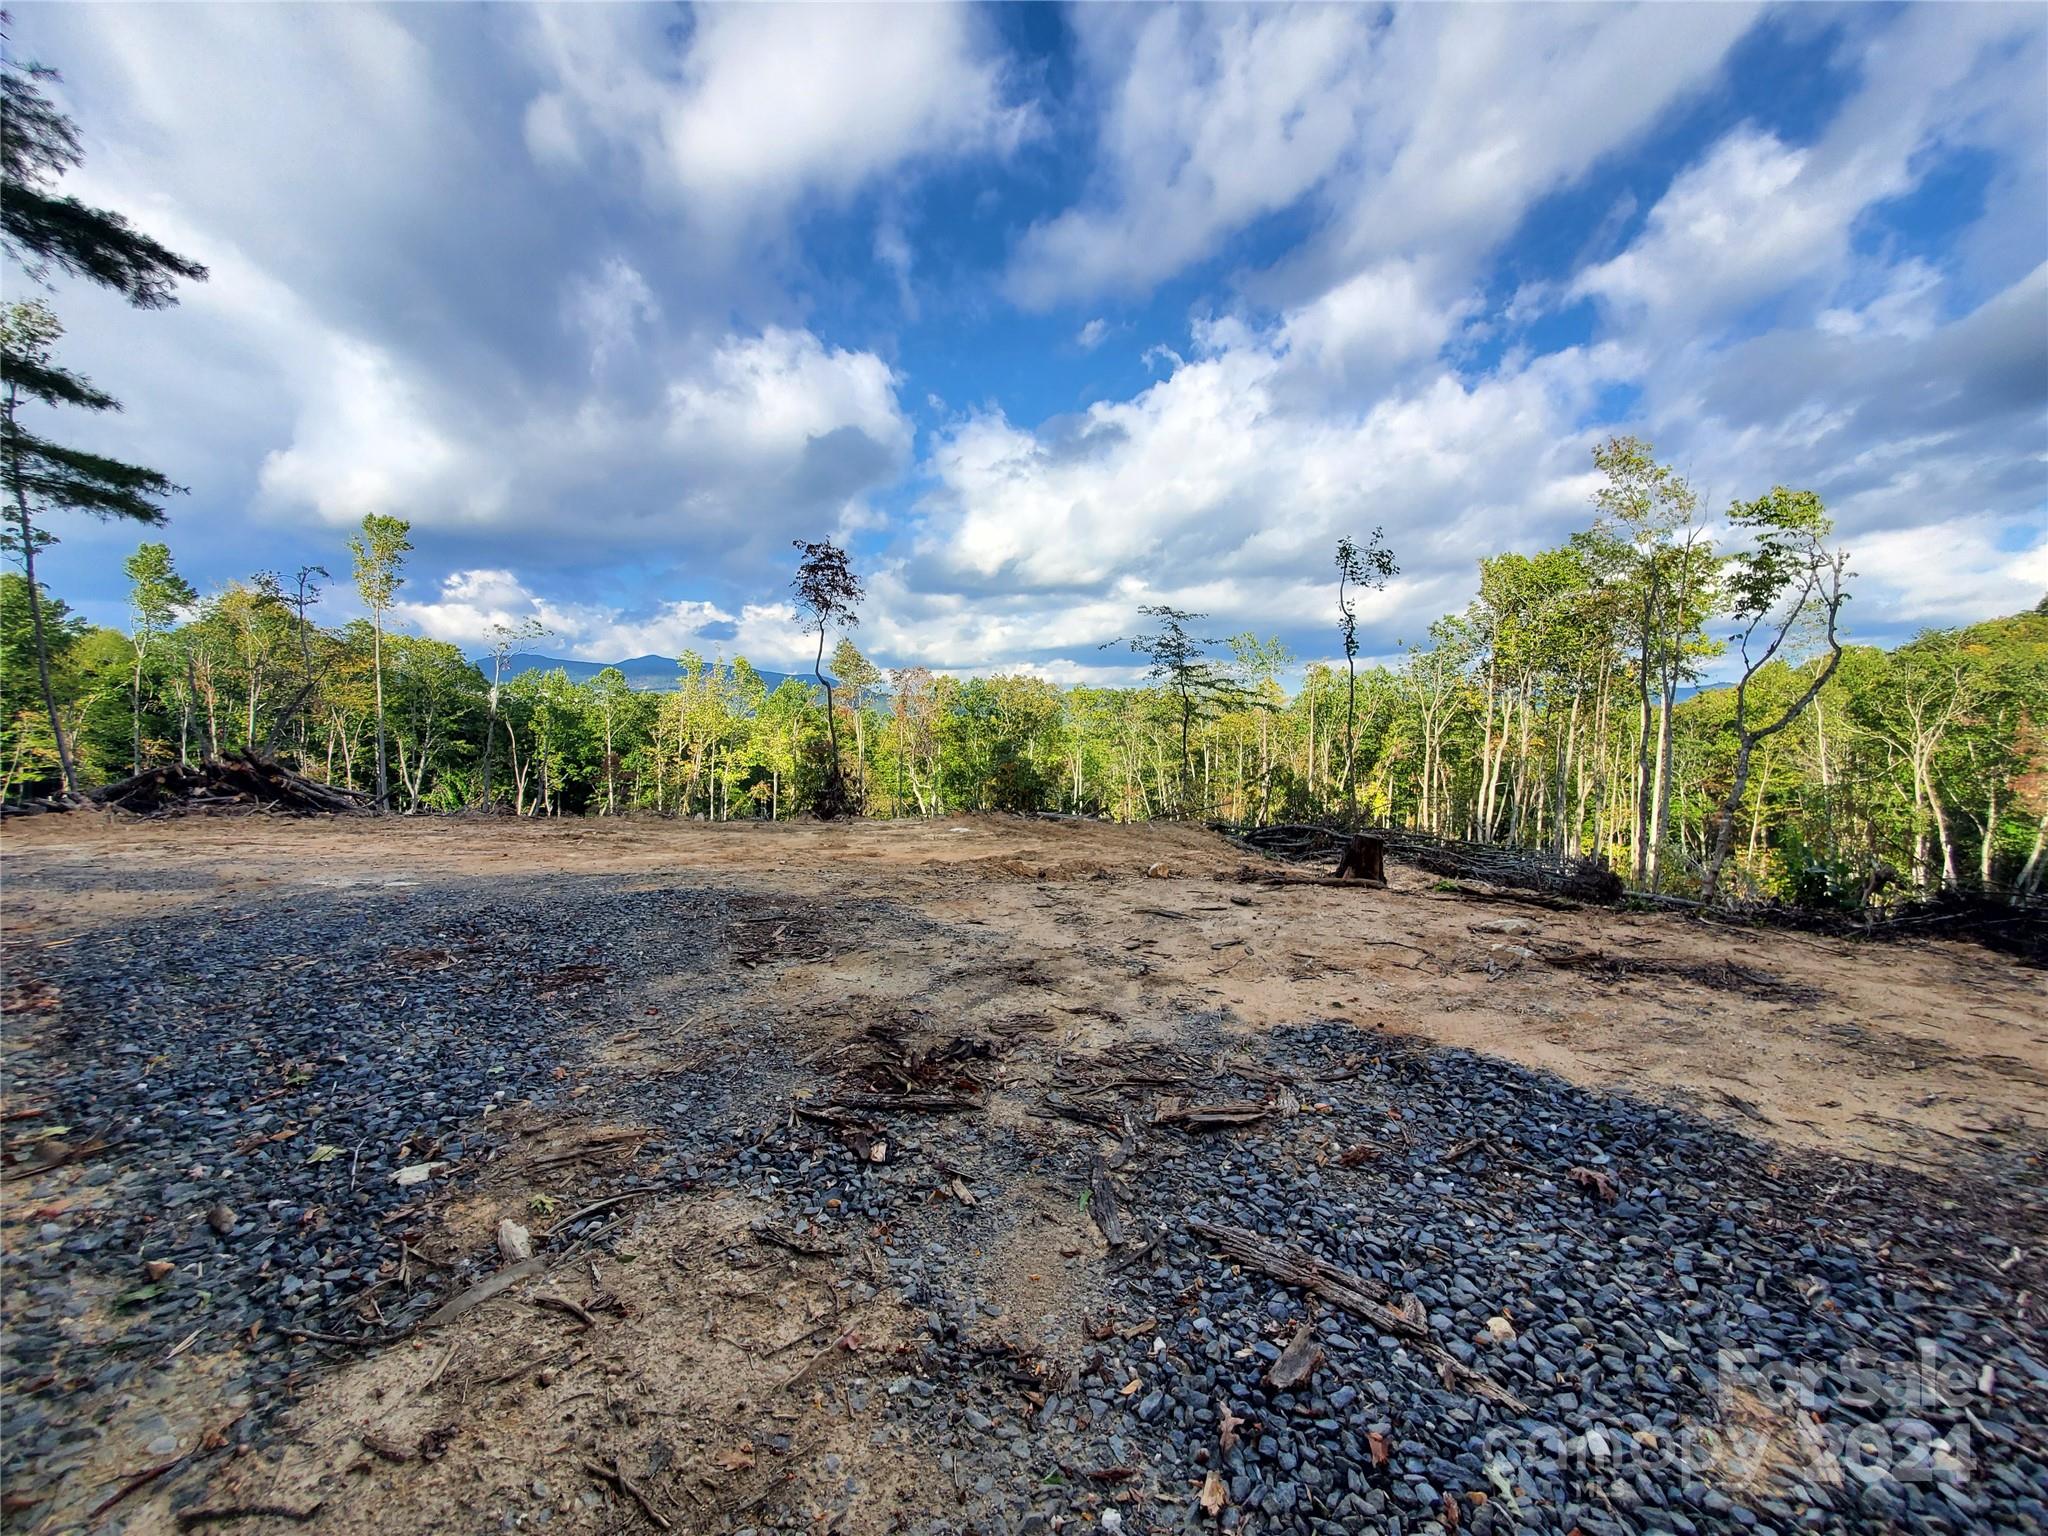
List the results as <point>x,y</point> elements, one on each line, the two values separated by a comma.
<point>1908,1051</point>
<point>1928,1054</point>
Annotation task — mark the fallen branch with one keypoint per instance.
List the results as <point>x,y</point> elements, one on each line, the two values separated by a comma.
<point>1220,1115</point>
<point>1355,1294</point>
<point>139,1481</point>
<point>805,1371</point>
<point>220,1514</point>
<point>1102,1206</point>
<point>484,1290</point>
<point>625,1485</point>
<point>781,1238</point>
<point>591,1210</point>
<point>908,1103</point>
<point>564,1304</point>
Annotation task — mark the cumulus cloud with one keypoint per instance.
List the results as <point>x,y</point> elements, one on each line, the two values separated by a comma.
<point>1214,119</point>
<point>472,604</point>
<point>766,105</point>
<point>1430,129</point>
<point>1755,217</point>
<point>1179,482</point>
<point>1981,570</point>
<point>609,307</point>
<point>659,340</point>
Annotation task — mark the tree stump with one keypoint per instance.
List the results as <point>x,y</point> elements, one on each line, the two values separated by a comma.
<point>1364,858</point>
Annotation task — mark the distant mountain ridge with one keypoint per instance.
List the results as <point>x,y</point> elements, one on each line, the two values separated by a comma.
<point>648,674</point>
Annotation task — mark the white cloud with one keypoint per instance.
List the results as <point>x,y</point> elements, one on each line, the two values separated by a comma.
<point>1729,230</point>
<point>1180,482</point>
<point>1214,119</point>
<point>1977,575</point>
<point>609,308</point>
<point>758,436</point>
<point>1090,335</point>
<point>767,105</point>
<point>364,443</point>
<point>1373,324</point>
<point>892,250</point>
<point>1427,130</point>
<point>772,404</point>
<point>1755,218</point>
<point>471,602</point>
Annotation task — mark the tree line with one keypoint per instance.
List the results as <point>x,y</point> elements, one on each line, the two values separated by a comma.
<point>1522,720</point>
<point>1563,710</point>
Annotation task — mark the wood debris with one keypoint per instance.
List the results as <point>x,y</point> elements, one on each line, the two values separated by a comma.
<point>1356,1294</point>
<point>1221,1114</point>
<point>1297,1361</point>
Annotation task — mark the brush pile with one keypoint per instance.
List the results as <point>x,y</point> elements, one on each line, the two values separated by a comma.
<point>234,782</point>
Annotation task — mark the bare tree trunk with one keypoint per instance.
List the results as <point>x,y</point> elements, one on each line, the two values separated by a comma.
<point>1948,852</point>
<point>1660,793</point>
<point>2030,873</point>
<point>135,704</point>
<point>377,671</point>
<point>1988,843</point>
<point>65,767</point>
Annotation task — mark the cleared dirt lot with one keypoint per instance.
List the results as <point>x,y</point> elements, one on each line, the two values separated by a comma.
<point>1919,1051</point>
<point>813,1303</point>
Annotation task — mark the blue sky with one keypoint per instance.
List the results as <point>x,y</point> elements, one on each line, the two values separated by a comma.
<point>1052,313</point>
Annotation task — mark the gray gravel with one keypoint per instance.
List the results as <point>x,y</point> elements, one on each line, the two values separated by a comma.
<point>1865,1303</point>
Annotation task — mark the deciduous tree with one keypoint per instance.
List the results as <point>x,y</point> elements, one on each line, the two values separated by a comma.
<point>39,475</point>
<point>156,592</point>
<point>380,551</point>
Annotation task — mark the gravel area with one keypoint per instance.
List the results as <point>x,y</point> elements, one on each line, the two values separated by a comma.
<point>1702,1332</point>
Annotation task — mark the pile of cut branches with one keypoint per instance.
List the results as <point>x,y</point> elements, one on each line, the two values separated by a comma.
<point>236,781</point>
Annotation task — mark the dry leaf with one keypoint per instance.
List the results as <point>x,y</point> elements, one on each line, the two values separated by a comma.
<point>1226,1430</point>
<point>1376,1443</point>
<point>738,1459</point>
<point>962,1193</point>
<point>1129,1387</point>
<point>1214,1494</point>
<point>1593,1179</point>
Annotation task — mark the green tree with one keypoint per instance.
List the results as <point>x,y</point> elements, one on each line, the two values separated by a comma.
<point>1369,568</point>
<point>379,551</point>
<point>434,694</point>
<point>28,752</point>
<point>155,594</point>
<point>41,229</point>
<point>828,591</point>
<point>503,638</point>
<point>858,676</point>
<point>41,476</point>
<point>1787,578</point>
<point>1259,665</point>
<point>1198,683</point>
<point>1650,516</point>
<point>613,697</point>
